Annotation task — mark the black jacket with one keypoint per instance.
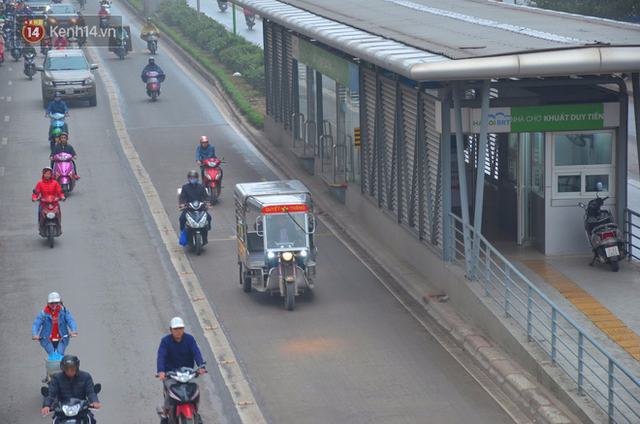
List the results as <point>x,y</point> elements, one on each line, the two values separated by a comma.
<point>59,148</point>
<point>191,192</point>
<point>62,387</point>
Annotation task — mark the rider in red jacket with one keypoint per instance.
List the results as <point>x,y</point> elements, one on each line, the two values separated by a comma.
<point>48,186</point>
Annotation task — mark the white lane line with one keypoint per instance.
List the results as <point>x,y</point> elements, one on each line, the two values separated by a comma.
<point>226,361</point>
<point>1,171</point>
<point>4,141</point>
<point>9,82</point>
<point>6,118</point>
<point>8,98</point>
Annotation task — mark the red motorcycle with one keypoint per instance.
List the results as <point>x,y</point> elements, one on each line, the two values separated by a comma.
<point>1,49</point>
<point>50,218</point>
<point>45,44</point>
<point>184,396</point>
<point>212,177</point>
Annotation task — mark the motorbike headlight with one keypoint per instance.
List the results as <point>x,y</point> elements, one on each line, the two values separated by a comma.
<point>71,410</point>
<point>51,215</point>
<point>287,256</point>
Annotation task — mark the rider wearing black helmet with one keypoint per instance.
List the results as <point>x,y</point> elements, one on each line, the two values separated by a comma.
<point>192,192</point>
<point>71,383</point>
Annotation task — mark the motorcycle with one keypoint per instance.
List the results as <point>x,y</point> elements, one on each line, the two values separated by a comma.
<point>45,44</point>
<point>73,411</point>
<point>50,218</point>
<point>57,121</point>
<point>183,397</point>
<point>212,177</point>
<point>249,18</point>
<point>30,65</point>
<point>603,235</point>
<point>120,48</point>
<point>1,50</point>
<point>104,20</point>
<point>223,5</point>
<point>154,79</point>
<point>152,42</point>
<point>16,49</point>
<point>63,172</point>
<point>73,43</point>
<point>197,225</point>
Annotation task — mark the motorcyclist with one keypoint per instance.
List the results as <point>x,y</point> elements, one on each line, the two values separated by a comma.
<point>65,147</point>
<point>57,106</point>
<point>191,192</point>
<point>61,43</point>
<point>103,12</point>
<point>48,186</point>
<point>203,152</point>
<point>53,323</point>
<point>122,36</point>
<point>71,383</point>
<point>176,350</point>
<point>151,67</point>
<point>147,28</point>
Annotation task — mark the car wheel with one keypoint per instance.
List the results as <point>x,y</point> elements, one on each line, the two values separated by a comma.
<point>45,102</point>
<point>93,101</point>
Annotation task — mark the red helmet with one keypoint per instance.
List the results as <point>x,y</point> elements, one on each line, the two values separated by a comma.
<point>204,139</point>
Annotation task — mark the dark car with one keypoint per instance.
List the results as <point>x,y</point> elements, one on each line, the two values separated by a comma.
<point>61,16</point>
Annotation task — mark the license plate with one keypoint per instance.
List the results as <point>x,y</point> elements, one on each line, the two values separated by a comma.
<point>68,91</point>
<point>611,251</point>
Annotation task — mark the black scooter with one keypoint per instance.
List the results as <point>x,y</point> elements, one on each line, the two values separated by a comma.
<point>602,232</point>
<point>30,65</point>
<point>223,5</point>
<point>197,225</point>
<point>73,411</point>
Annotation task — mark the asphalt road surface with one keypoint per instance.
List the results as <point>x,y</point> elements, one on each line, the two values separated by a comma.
<point>350,352</point>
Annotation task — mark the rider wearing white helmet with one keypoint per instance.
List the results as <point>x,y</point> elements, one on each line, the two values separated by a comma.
<point>53,325</point>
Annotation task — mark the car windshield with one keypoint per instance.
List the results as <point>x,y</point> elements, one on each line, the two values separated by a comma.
<point>286,231</point>
<point>61,9</point>
<point>66,63</point>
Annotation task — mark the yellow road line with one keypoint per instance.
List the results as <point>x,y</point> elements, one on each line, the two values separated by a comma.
<point>594,310</point>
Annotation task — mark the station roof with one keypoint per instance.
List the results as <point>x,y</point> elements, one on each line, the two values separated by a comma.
<point>461,39</point>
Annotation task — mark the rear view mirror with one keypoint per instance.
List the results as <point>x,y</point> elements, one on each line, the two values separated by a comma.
<point>97,387</point>
<point>259,227</point>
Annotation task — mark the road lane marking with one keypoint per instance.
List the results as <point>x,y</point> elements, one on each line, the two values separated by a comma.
<point>9,82</point>
<point>4,141</point>
<point>1,171</point>
<point>8,98</point>
<point>594,310</point>
<point>232,373</point>
<point>6,118</point>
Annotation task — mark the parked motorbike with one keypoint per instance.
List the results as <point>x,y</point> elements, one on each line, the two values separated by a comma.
<point>50,218</point>
<point>63,172</point>
<point>212,178</point>
<point>154,79</point>
<point>184,396</point>
<point>30,65</point>
<point>73,411</point>
<point>197,226</point>
<point>57,121</point>
<point>152,42</point>
<point>223,5</point>
<point>602,232</point>
<point>249,18</point>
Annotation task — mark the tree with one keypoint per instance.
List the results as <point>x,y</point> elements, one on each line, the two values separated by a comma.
<point>621,10</point>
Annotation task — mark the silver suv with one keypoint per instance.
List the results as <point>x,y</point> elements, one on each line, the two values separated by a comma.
<point>68,72</point>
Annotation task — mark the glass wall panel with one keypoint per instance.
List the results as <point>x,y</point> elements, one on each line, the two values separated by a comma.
<point>583,149</point>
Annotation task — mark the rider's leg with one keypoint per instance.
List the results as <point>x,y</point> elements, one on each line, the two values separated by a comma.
<point>48,347</point>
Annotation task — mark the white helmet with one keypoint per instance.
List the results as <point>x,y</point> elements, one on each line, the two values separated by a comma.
<point>176,322</point>
<point>53,297</point>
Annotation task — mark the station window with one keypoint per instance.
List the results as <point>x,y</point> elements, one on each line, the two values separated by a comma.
<point>582,160</point>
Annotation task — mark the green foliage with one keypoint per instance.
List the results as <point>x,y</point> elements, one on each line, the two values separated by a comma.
<point>622,10</point>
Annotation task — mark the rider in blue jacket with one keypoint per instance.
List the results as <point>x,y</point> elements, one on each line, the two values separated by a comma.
<point>57,106</point>
<point>152,67</point>
<point>53,324</point>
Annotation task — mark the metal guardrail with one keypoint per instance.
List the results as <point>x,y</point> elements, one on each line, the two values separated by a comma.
<point>595,372</point>
<point>632,239</point>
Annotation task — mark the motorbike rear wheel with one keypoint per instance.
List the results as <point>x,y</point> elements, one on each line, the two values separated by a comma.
<point>614,264</point>
<point>198,243</point>
<point>50,235</point>
<point>154,96</point>
<point>289,296</point>
<point>184,420</point>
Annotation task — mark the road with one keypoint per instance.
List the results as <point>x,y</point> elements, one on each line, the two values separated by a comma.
<point>350,352</point>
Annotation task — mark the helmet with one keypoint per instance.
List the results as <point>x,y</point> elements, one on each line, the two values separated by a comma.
<point>57,132</point>
<point>192,173</point>
<point>69,360</point>
<point>151,59</point>
<point>64,133</point>
<point>58,94</point>
<point>47,168</point>
<point>149,19</point>
<point>204,139</point>
<point>53,297</point>
<point>176,322</point>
